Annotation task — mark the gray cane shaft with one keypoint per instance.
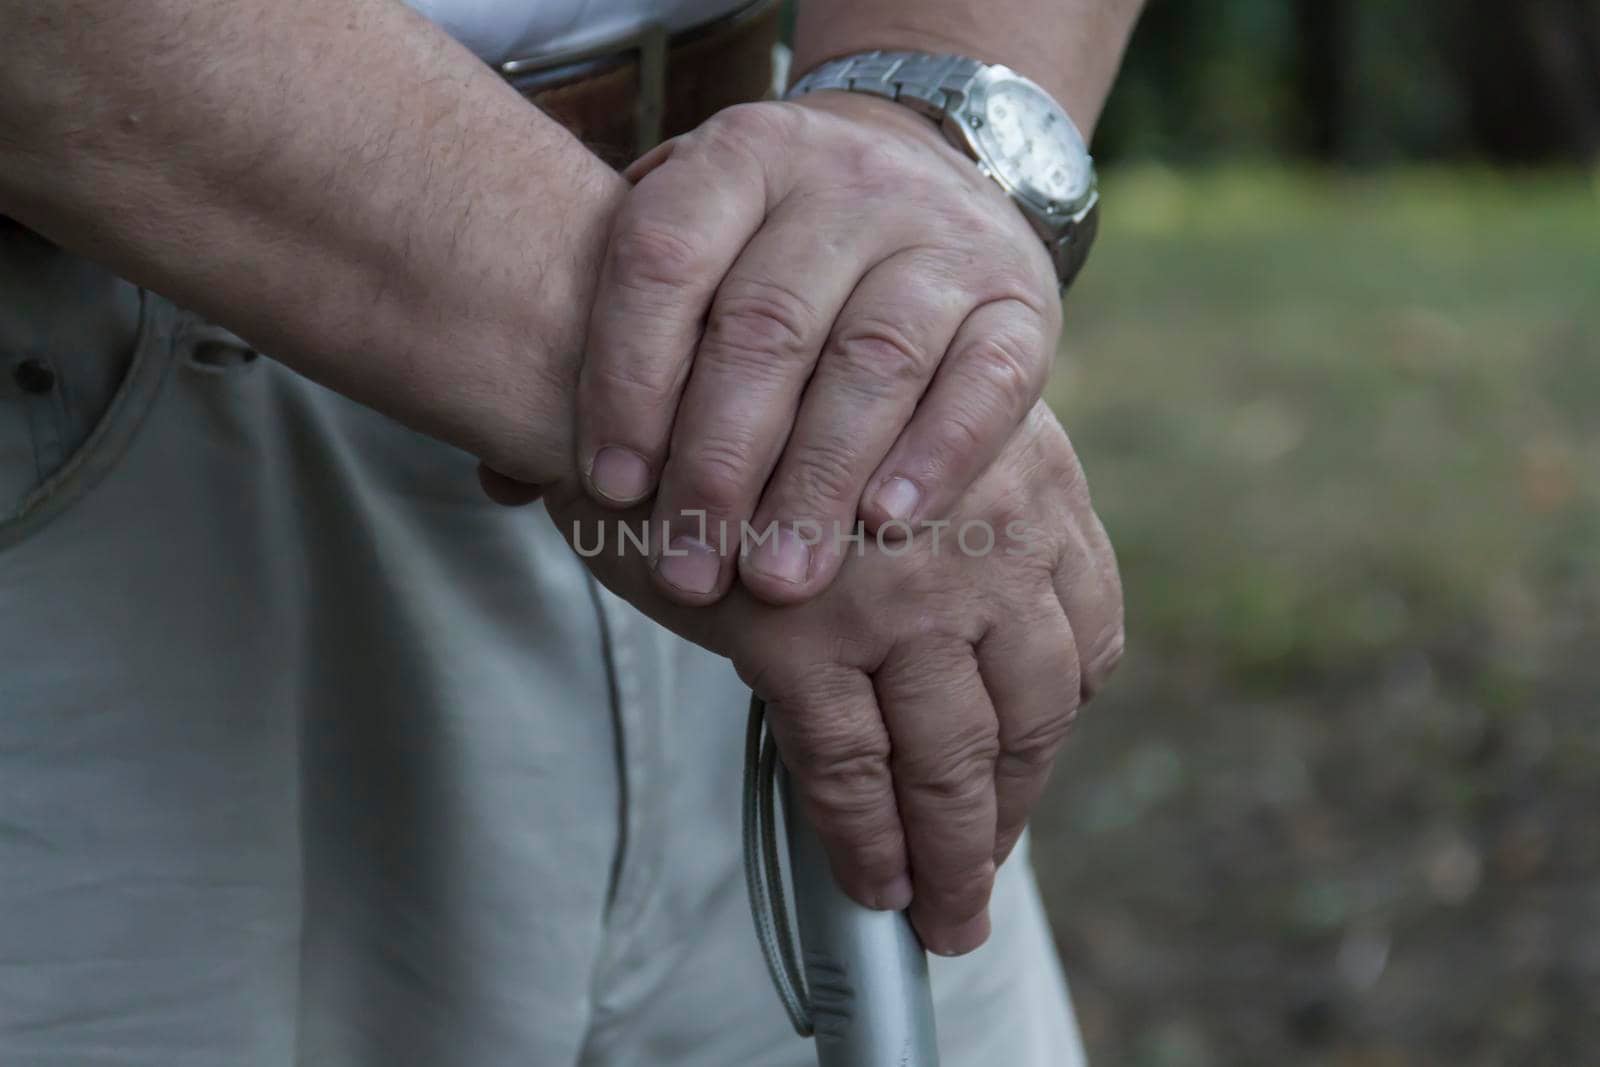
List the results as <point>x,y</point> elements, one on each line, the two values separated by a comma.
<point>866,971</point>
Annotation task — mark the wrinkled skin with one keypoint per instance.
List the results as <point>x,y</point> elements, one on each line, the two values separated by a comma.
<point>780,329</point>
<point>920,700</point>
<point>808,311</point>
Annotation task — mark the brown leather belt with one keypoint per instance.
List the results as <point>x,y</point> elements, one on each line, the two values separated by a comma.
<point>626,95</point>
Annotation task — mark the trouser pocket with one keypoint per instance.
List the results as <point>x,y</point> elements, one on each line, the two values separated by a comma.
<point>80,352</point>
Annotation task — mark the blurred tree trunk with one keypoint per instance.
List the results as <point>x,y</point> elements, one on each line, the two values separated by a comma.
<point>1530,72</point>
<point>1322,75</point>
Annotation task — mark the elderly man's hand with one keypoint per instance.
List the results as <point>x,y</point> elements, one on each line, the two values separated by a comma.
<point>920,700</point>
<point>808,311</point>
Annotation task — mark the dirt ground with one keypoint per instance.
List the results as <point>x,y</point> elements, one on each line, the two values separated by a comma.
<point>1342,804</point>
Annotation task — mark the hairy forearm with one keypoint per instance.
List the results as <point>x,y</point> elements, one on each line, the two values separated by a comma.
<point>1071,47</point>
<point>335,180</point>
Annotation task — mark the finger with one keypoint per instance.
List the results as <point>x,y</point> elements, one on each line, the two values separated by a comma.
<point>881,353</point>
<point>944,736</point>
<point>991,377</point>
<point>507,492</point>
<point>1089,587</point>
<point>768,323</point>
<point>836,752</point>
<point>672,241</point>
<point>1030,669</point>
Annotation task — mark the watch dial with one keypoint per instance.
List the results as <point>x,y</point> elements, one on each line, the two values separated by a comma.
<point>1032,144</point>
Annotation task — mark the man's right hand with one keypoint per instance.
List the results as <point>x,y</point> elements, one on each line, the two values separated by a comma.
<point>920,700</point>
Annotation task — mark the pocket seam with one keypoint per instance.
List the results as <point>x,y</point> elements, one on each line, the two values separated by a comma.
<point>115,433</point>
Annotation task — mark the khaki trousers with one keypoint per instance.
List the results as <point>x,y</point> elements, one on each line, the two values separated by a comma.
<point>309,755</point>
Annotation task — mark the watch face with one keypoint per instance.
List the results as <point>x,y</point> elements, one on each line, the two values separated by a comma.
<point>1031,145</point>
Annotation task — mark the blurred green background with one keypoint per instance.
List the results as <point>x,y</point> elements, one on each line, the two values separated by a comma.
<point>1334,372</point>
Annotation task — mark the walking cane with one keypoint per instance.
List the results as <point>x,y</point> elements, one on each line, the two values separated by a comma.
<point>864,993</point>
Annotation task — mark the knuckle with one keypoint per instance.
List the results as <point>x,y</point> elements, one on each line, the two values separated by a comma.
<point>875,356</point>
<point>824,473</point>
<point>648,257</point>
<point>1034,748</point>
<point>756,321</point>
<point>743,128</point>
<point>955,438</point>
<point>826,746</point>
<point>846,782</point>
<point>1013,372</point>
<point>961,771</point>
<point>848,788</point>
<point>717,474</point>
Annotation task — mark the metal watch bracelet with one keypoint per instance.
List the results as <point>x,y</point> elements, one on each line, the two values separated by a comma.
<point>937,86</point>
<point>938,83</point>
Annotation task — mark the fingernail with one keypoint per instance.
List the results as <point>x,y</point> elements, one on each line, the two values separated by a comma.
<point>895,896</point>
<point>898,499</point>
<point>783,556</point>
<point>690,565</point>
<point>619,474</point>
<point>963,939</point>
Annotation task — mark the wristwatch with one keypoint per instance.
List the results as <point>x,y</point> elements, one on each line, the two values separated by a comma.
<point>1018,135</point>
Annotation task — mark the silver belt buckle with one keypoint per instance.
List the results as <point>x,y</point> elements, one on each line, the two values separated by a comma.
<point>649,41</point>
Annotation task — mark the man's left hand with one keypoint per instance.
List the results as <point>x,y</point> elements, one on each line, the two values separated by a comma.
<point>808,311</point>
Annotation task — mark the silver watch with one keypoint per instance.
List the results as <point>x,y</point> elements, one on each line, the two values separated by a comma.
<point>1018,135</point>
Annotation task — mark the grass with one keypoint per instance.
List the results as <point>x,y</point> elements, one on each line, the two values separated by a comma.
<point>1345,431</point>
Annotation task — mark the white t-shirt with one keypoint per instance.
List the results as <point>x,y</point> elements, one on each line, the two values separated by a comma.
<point>498,30</point>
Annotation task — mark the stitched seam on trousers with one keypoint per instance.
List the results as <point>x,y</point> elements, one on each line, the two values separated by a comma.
<point>114,436</point>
